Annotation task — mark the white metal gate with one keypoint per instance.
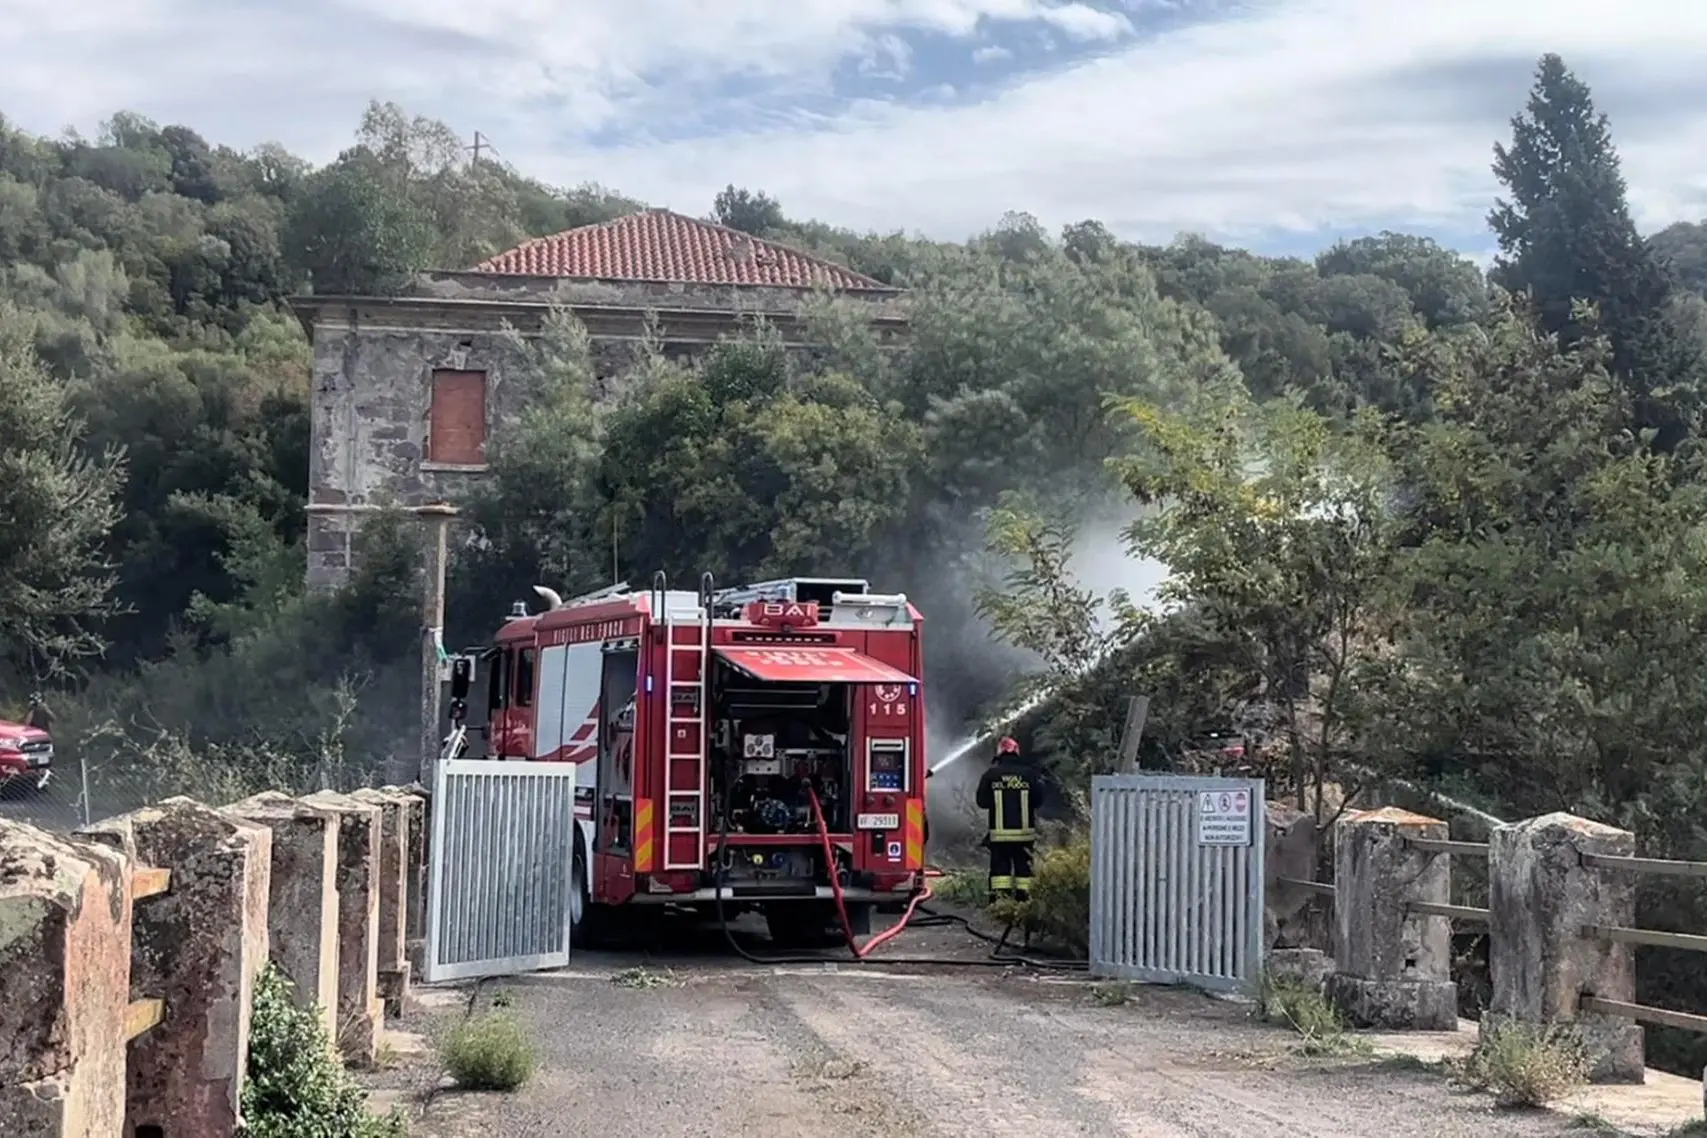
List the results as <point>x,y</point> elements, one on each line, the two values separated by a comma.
<point>1177,879</point>
<point>503,839</point>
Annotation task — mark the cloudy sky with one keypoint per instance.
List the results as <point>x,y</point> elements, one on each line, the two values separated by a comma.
<point>1280,124</point>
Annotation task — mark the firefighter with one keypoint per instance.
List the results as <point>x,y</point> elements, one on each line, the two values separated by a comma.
<point>1011,792</point>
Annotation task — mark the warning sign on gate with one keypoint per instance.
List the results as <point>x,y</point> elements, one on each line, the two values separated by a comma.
<point>1224,818</point>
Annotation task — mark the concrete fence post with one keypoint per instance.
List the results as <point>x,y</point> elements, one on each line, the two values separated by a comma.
<point>393,872</point>
<point>1394,968</point>
<point>1291,946</point>
<point>1540,898</point>
<point>199,947</point>
<point>1290,853</point>
<point>65,929</point>
<point>360,1017</point>
<point>415,930</point>
<point>302,905</point>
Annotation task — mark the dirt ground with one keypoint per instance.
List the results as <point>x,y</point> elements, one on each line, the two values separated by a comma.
<point>701,1044</point>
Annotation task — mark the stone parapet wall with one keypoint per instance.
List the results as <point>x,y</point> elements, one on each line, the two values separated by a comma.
<point>1560,919</point>
<point>130,951</point>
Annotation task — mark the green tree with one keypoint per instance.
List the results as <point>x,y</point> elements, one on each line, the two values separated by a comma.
<point>1276,532</point>
<point>1566,235</point>
<point>1444,287</point>
<point>755,213</point>
<point>740,466</point>
<point>353,229</point>
<point>1682,246</point>
<point>57,504</point>
<point>1552,578</point>
<point>1015,349</point>
<point>537,519</point>
<point>196,427</point>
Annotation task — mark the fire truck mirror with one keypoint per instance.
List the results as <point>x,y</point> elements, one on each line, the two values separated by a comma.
<point>461,677</point>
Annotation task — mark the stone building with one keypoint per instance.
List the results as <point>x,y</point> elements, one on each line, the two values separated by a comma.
<point>409,389</point>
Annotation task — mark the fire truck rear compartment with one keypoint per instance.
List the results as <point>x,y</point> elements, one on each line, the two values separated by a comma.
<point>769,742</point>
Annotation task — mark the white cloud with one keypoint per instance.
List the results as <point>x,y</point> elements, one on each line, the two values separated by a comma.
<point>1082,22</point>
<point>991,54</point>
<point>1297,115</point>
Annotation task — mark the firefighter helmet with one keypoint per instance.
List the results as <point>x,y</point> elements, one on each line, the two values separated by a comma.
<point>1007,746</point>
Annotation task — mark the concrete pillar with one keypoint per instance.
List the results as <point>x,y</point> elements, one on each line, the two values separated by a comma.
<point>360,1017</point>
<point>415,849</point>
<point>1539,898</point>
<point>199,947</point>
<point>1290,851</point>
<point>65,917</point>
<point>1394,969</point>
<point>302,905</point>
<point>393,960</point>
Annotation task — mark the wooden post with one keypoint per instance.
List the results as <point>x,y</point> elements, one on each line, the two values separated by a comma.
<point>1137,714</point>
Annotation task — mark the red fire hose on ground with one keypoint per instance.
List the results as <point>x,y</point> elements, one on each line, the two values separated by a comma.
<point>862,953</point>
<point>859,951</point>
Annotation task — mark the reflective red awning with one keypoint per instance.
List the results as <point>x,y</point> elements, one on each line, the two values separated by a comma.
<point>811,665</point>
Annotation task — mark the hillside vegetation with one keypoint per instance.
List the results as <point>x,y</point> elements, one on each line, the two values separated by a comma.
<point>1421,521</point>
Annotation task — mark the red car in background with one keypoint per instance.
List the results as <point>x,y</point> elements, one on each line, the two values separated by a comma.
<point>26,756</point>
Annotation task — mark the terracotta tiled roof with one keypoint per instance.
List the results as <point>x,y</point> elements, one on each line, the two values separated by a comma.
<point>658,245</point>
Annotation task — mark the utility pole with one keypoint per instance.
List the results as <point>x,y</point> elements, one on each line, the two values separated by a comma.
<point>436,550</point>
<point>481,142</point>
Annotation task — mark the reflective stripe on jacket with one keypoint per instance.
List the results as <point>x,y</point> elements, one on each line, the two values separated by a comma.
<point>1010,793</point>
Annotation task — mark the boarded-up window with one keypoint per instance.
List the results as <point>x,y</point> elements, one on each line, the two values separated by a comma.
<point>456,433</point>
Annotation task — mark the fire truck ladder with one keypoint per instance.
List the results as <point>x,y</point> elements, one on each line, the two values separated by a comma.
<point>686,774</point>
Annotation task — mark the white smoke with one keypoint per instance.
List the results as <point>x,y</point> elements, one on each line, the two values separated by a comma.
<point>1101,562</point>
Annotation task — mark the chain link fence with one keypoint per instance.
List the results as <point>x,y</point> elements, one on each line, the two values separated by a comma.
<point>103,775</point>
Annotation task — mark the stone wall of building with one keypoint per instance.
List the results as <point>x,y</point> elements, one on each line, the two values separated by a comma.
<point>374,360</point>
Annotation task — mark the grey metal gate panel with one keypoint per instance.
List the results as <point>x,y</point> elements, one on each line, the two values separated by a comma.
<point>1167,907</point>
<point>503,838</point>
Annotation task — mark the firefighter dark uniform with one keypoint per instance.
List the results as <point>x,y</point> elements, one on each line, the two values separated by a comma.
<point>1010,793</point>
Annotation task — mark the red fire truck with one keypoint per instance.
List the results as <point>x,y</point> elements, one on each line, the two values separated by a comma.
<point>715,731</point>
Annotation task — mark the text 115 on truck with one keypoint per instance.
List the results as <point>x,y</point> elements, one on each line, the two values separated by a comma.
<point>703,725</point>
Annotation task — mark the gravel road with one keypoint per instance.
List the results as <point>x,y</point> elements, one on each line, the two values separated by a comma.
<point>725,1048</point>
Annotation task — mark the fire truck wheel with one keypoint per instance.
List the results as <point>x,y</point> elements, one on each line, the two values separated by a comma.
<point>582,930</point>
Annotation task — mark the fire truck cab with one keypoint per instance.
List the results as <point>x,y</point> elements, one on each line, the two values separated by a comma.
<point>714,733</point>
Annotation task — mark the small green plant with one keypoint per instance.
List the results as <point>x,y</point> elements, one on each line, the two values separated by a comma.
<point>1594,1124</point>
<point>491,1052</point>
<point>644,978</point>
<point>1526,1065</point>
<point>296,1087</point>
<point>1111,995</point>
<point>1291,1003</point>
<point>503,998</point>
